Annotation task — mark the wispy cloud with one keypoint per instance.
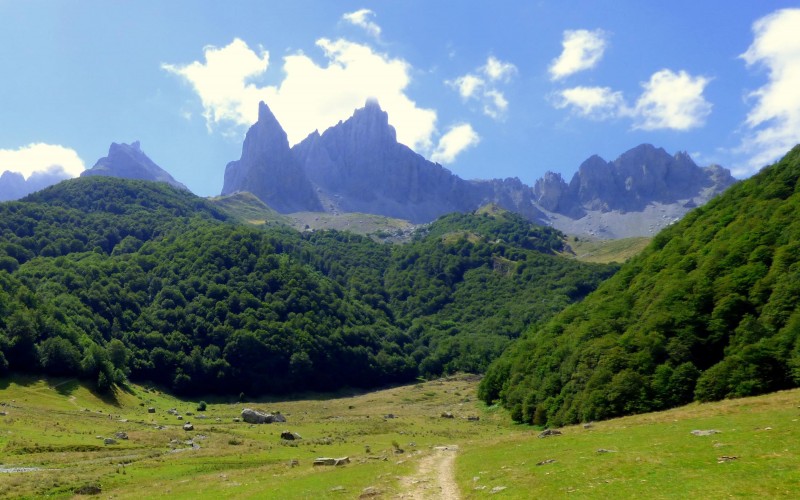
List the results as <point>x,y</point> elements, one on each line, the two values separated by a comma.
<point>361,18</point>
<point>483,86</point>
<point>457,139</point>
<point>774,119</point>
<point>40,157</point>
<point>582,50</point>
<point>310,96</point>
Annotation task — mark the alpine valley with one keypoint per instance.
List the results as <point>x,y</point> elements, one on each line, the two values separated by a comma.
<point>122,291</point>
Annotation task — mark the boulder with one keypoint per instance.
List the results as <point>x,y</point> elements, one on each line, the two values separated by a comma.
<point>709,432</point>
<point>256,417</point>
<point>447,414</point>
<point>188,426</point>
<point>151,410</point>
<point>331,461</point>
<point>121,435</point>
<point>109,441</point>
<point>290,436</point>
<point>549,432</point>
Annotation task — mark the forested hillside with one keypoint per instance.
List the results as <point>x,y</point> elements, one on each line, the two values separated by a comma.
<point>110,278</point>
<point>708,310</point>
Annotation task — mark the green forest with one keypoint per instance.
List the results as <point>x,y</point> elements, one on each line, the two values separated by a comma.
<point>709,310</point>
<point>114,280</point>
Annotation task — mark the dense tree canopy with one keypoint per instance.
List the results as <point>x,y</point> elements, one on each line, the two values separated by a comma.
<point>108,279</point>
<point>708,311</point>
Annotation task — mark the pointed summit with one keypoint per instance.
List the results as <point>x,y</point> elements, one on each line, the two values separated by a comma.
<point>268,170</point>
<point>128,161</point>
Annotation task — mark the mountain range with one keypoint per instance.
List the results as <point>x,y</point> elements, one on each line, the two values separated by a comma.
<point>358,166</point>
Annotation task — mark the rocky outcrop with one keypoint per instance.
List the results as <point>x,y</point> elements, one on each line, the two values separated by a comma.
<point>256,417</point>
<point>268,169</point>
<point>640,177</point>
<point>128,161</point>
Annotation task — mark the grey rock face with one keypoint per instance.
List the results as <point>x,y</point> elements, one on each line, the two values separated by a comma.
<point>128,161</point>
<point>268,169</point>
<point>638,178</point>
<point>358,166</point>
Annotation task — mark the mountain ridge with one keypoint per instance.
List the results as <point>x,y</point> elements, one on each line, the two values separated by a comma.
<point>357,165</point>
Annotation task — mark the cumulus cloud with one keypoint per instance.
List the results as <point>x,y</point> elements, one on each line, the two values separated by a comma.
<point>310,96</point>
<point>361,18</point>
<point>482,86</point>
<point>774,120</point>
<point>598,103</point>
<point>222,82</point>
<point>582,50</point>
<point>457,139</point>
<point>672,101</point>
<point>41,158</point>
<point>669,100</point>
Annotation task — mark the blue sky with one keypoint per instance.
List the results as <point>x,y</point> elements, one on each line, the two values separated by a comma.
<point>488,89</point>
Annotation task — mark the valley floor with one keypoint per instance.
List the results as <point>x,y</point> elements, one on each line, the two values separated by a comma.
<point>54,443</point>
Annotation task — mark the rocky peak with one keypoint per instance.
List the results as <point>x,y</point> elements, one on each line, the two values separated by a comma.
<point>128,161</point>
<point>268,169</point>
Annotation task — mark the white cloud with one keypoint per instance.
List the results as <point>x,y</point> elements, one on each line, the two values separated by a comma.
<point>583,49</point>
<point>498,70</point>
<point>360,18</point>
<point>672,101</point>
<point>482,86</point>
<point>598,103</point>
<point>774,120</point>
<point>310,96</point>
<point>222,82</point>
<point>468,85</point>
<point>669,100</point>
<point>457,139</point>
<point>39,157</point>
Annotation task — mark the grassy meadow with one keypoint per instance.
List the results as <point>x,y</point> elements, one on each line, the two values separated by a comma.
<point>52,446</point>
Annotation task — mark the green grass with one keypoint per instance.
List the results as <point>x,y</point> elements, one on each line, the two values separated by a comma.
<point>57,426</point>
<point>606,251</point>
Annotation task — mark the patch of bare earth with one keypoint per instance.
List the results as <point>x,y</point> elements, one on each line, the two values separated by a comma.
<point>435,477</point>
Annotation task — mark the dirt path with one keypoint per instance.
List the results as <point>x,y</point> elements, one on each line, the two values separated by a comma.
<point>435,477</point>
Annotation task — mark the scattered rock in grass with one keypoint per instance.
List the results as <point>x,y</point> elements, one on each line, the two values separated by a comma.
<point>151,410</point>
<point>294,462</point>
<point>256,417</point>
<point>603,450</point>
<point>473,418</point>
<point>726,458</point>
<point>370,491</point>
<point>447,414</point>
<point>88,489</point>
<point>549,432</point>
<point>708,432</point>
<point>588,425</point>
<point>389,416</point>
<point>545,462</point>
<point>121,435</point>
<point>180,417</point>
<point>290,436</point>
<point>188,426</point>
<point>497,489</point>
<point>337,489</point>
<point>109,441</point>
<point>331,461</point>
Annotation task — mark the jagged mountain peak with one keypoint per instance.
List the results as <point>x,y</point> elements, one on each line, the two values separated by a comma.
<point>128,161</point>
